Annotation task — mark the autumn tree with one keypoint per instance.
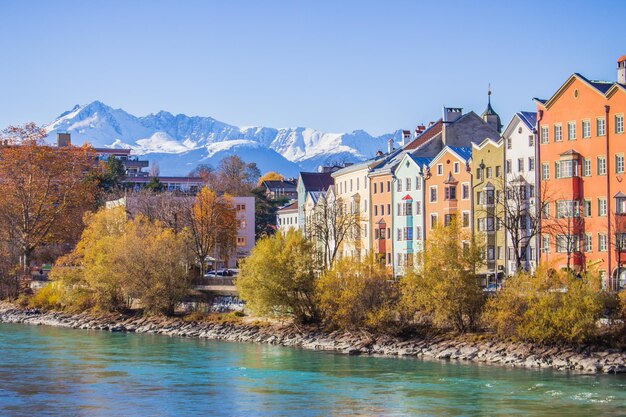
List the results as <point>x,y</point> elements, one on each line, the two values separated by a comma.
<point>236,177</point>
<point>278,278</point>
<point>213,225</point>
<point>548,307</point>
<point>445,287</point>
<point>355,295</point>
<point>332,224</point>
<point>270,176</point>
<point>45,189</point>
<point>169,209</point>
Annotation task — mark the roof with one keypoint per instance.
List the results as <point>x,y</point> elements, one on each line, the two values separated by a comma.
<point>289,207</point>
<point>407,197</point>
<point>316,181</point>
<point>390,163</point>
<point>315,196</point>
<point>426,135</point>
<point>464,152</point>
<point>621,59</point>
<point>601,87</point>
<point>112,151</point>
<point>529,118</point>
<point>273,184</point>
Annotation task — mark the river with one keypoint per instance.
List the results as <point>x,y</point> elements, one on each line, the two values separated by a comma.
<point>64,372</point>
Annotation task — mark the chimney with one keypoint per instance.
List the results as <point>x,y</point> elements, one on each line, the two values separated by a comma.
<point>389,145</point>
<point>450,114</point>
<point>621,69</point>
<point>63,139</point>
<point>406,137</point>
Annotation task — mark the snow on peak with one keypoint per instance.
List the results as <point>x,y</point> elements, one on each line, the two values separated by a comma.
<point>171,136</point>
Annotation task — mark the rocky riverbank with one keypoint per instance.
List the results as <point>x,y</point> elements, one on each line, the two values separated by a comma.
<point>583,360</point>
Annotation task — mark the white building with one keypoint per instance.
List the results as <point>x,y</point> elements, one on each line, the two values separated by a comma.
<point>521,170</point>
<point>287,218</point>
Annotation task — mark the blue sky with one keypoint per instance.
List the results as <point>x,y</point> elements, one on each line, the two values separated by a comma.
<point>331,65</point>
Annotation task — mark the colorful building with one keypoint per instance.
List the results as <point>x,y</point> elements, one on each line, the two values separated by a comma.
<point>520,138</point>
<point>408,211</point>
<point>488,186</point>
<point>448,189</point>
<point>581,153</point>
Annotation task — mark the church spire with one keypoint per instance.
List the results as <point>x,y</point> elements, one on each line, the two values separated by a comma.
<point>489,115</point>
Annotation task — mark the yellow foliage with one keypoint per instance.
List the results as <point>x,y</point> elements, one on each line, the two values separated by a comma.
<point>356,294</point>
<point>445,286</point>
<point>270,176</point>
<point>278,278</point>
<point>550,306</point>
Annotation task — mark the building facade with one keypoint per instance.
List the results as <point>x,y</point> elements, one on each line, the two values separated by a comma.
<point>287,218</point>
<point>408,211</point>
<point>581,150</point>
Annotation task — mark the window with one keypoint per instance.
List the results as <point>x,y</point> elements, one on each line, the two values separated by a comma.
<point>601,165</point>
<point>439,169</point>
<point>418,207</point>
<point>382,210</point>
<point>586,167</point>
<point>489,224</point>
<point>398,234</point>
<point>545,210</point>
<point>357,183</point>
<point>558,133</point>
<point>489,197</point>
<point>418,183</point>
<point>619,123</point>
<point>520,164</point>
<point>464,191</point>
<point>600,126</point>
<point>241,241</point>
<point>545,171</point>
<point>531,163</point>
<point>531,140</point>
<point>602,242</point>
<point>499,252</point>
<point>399,188</point>
<point>466,219</point>
<point>375,210</point>
<point>408,184</point>
<point>418,233</point>
<point>433,194</point>
<point>448,218</point>
<point>509,143</point>
<point>489,171</point>
<point>567,243</point>
<point>388,209</point>
<point>241,207</point>
<point>601,206</point>
<point>481,224</point>
<point>451,192</point>
<point>586,129</point>
<point>587,208</point>
<point>545,244</point>
<point>620,205</point>
<point>382,190</point>
<point>569,169</point>
<point>588,243</point>
<point>619,163</point>
<point>498,171</point>
<point>479,174</point>
<point>433,221</point>
<point>388,186</point>
<point>375,188</point>
<point>456,167</point>
<point>242,224</point>
<point>544,134</point>
<point>567,208</point>
<point>571,130</point>
<point>350,184</point>
<point>490,253</point>
<point>479,197</point>
<point>507,166</point>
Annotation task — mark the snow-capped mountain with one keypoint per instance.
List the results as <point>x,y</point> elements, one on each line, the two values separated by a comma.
<point>178,142</point>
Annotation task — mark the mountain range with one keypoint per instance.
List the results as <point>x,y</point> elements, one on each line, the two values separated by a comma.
<point>178,143</point>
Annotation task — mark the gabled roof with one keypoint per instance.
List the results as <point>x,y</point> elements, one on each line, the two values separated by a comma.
<point>274,184</point>
<point>407,197</point>
<point>426,136</point>
<point>528,117</point>
<point>395,157</point>
<point>570,152</point>
<point>600,87</point>
<point>450,179</point>
<point>463,153</point>
<point>288,208</point>
<point>315,196</point>
<point>316,181</point>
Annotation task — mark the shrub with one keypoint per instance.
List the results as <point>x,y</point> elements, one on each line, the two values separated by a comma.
<point>548,307</point>
<point>355,295</point>
<point>48,297</point>
<point>446,289</point>
<point>278,278</point>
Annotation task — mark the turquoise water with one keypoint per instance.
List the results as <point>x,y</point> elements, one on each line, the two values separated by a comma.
<point>51,371</point>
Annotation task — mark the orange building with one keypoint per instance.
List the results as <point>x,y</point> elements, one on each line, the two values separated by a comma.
<point>581,153</point>
<point>448,189</point>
